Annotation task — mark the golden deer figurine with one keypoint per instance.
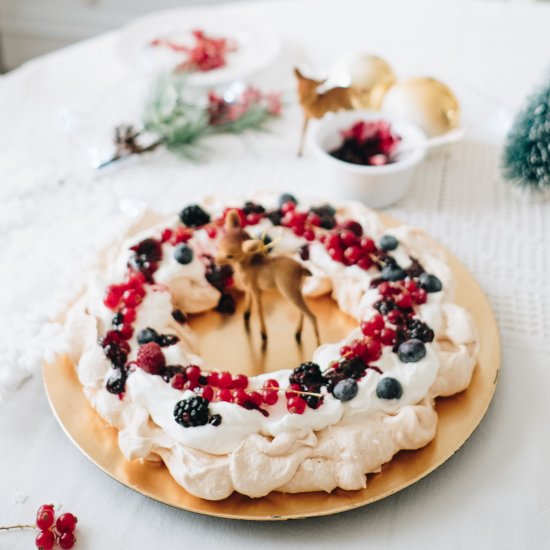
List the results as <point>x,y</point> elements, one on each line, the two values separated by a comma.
<point>261,272</point>
<point>315,104</point>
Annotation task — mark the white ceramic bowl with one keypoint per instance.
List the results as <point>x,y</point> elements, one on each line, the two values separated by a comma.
<point>376,186</point>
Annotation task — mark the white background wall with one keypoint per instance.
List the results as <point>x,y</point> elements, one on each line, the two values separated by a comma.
<point>32,27</point>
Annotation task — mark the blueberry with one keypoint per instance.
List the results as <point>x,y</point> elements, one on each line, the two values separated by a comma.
<point>387,243</point>
<point>183,254</point>
<point>194,216</point>
<point>147,335</point>
<point>411,351</point>
<point>392,273</point>
<point>345,390</point>
<point>389,388</point>
<point>430,283</point>
<point>287,197</point>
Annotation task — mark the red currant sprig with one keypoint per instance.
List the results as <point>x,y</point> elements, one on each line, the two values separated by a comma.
<point>52,532</point>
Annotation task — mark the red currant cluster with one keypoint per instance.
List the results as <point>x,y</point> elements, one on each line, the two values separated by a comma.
<point>61,533</point>
<point>403,293</point>
<point>303,224</point>
<point>347,244</point>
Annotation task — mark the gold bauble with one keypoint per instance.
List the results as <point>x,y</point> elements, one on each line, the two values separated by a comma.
<point>423,101</point>
<point>369,76</point>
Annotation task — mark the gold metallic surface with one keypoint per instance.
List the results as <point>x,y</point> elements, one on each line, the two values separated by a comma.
<point>370,77</point>
<point>226,346</point>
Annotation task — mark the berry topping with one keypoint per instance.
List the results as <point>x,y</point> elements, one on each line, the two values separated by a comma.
<point>178,381</point>
<point>430,283</point>
<point>308,376</point>
<point>353,226</point>
<point>191,412</point>
<point>67,540</point>
<point>411,351</point>
<point>66,523</point>
<point>116,383</point>
<point>326,215</point>
<point>165,340</point>
<point>150,358</point>
<point>148,249</point>
<point>194,216</point>
<point>389,388</point>
<point>147,335</point>
<point>45,540</point>
<point>215,420</point>
<point>253,208</point>
<point>345,390</point>
<point>388,243</point>
<point>392,273</point>
<point>179,316</point>
<point>44,518</point>
<point>183,254</point>
<point>193,373</point>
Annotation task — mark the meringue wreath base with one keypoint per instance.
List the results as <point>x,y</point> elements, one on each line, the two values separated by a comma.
<point>302,460</point>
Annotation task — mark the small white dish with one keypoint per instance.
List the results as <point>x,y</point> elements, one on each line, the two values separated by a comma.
<point>257,45</point>
<point>376,186</point>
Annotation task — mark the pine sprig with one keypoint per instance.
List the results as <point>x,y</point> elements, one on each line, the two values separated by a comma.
<point>179,119</point>
<point>526,155</point>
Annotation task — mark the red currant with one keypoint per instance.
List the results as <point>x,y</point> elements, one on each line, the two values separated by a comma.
<point>385,289</point>
<point>270,397</point>
<point>387,337</point>
<point>178,381</point>
<point>66,522</point>
<point>296,405</point>
<point>253,218</point>
<point>290,392</point>
<point>45,540</point>
<point>271,384</point>
<point>126,331</point>
<point>129,314</point>
<point>314,219</point>
<point>404,301</point>
<point>44,518</point>
<point>190,385</point>
<point>288,207</point>
<point>348,237</point>
<point>166,235</point>
<point>353,254</point>
<point>136,279</point>
<point>133,297</point>
<point>365,263</point>
<point>112,296</point>
<point>225,380</point>
<point>367,245</point>
<point>336,254</point>
<point>395,317</point>
<point>256,398</point>
<point>67,540</point>
<point>240,382</point>
<point>333,241</point>
<point>420,296</point>
<point>240,397</point>
<point>225,395</point>
<point>207,393</point>
<point>309,235</point>
<point>353,226</point>
<point>193,373</point>
<point>211,231</point>
<point>358,347</point>
<point>373,326</point>
<point>373,351</point>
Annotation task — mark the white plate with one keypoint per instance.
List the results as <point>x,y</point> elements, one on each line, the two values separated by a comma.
<point>257,46</point>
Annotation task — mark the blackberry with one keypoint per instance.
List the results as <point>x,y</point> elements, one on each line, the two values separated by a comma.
<point>430,283</point>
<point>183,254</point>
<point>215,419</point>
<point>165,340</point>
<point>117,353</point>
<point>191,412</point>
<point>253,208</point>
<point>194,216</point>
<point>384,306</point>
<point>308,375</point>
<point>420,330</point>
<point>415,270</point>
<point>388,242</point>
<point>116,383</point>
<point>287,197</point>
<point>226,304</point>
<point>179,316</point>
<point>147,335</point>
<point>304,252</point>
<point>326,213</point>
<point>346,368</point>
<point>118,319</point>
<point>148,249</point>
<point>218,275</point>
<point>274,216</point>
<point>171,371</point>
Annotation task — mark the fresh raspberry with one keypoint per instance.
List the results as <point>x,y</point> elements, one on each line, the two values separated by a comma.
<point>150,358</point>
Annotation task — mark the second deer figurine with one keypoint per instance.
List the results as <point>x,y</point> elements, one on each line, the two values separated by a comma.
<point>261,272</point>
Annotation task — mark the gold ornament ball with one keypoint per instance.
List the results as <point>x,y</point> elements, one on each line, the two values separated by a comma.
<point>423,101</point>
<point>369,76</point>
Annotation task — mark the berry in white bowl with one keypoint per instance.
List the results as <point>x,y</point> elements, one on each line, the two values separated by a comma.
<point>379,177</point>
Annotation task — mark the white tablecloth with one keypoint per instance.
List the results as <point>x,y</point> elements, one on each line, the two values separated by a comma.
<point>55,214</point>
